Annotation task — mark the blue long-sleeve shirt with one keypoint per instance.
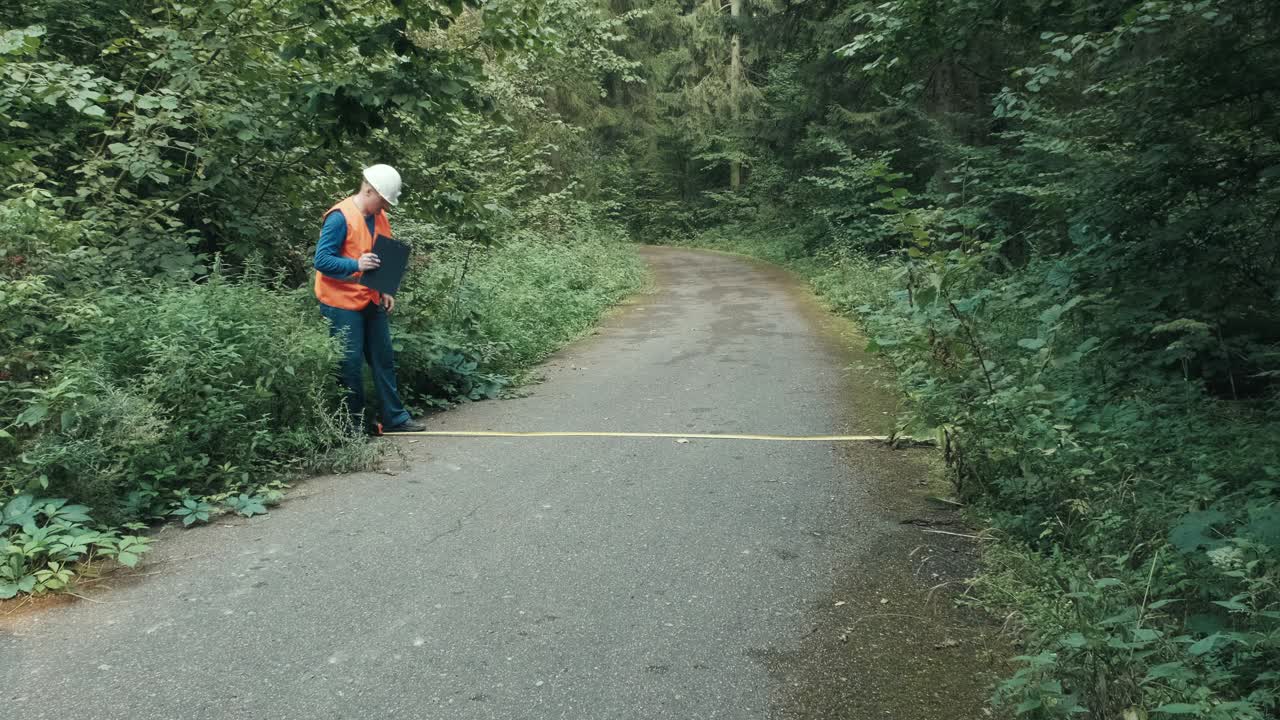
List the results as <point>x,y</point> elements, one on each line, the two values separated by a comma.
<point>329,260</point>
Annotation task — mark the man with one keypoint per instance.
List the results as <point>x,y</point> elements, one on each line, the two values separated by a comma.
<point>355,311</point>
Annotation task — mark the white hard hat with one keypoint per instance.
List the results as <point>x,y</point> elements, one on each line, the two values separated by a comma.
<point>385,180</point>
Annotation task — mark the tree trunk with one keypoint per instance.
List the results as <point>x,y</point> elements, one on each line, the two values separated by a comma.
<point>735,76</point>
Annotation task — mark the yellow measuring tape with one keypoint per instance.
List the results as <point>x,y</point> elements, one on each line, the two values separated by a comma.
<point>678,436</point>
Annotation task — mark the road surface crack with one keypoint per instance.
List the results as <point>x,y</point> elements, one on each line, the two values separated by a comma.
<point>457,526</point>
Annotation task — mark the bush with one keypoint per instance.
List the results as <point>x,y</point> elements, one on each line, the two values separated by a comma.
<point>779,243</point>
<point>202,387</point>
<point>536,294</point>
<point>511,305</point>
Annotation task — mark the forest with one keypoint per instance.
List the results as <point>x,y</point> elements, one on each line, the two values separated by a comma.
<point>1057,221</point>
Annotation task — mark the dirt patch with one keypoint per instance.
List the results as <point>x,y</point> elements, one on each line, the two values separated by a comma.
<point>890,640</point>
<point>15,611</point>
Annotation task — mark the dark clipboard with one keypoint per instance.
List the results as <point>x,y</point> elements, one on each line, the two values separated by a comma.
<point>394,257</point>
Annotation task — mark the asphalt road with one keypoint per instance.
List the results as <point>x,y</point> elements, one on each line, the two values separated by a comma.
<point>517,578</point>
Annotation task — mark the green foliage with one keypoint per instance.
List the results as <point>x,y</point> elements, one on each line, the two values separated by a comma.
<point>45,543</point>
<point>174,386</point>
<point>539,291</point>
<point>246,505</point>
<point>1078,387</point>
<point>175,134</point>
<point>193,511</point>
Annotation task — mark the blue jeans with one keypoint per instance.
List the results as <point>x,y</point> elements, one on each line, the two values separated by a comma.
<point>367,338</point>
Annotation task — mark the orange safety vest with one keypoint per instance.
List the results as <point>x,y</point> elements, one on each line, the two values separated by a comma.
<point>347,293</point>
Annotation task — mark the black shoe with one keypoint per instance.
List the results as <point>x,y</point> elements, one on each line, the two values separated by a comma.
<point>407,426</point>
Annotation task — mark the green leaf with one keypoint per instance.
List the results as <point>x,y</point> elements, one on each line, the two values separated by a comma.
<point>1075,640</point>
<point>74,513</point>
<point>1176,669</point>
<point>1266,528</point>
<point>1026,706</point>
<point>1052,314</point>
<point>33,415</point>
<point>17,507</point>
<point>1203,646</point>
<point>1190,534</point>
<point>1179,709</point>
<point>1031,343</point>
<point>1233,604</point>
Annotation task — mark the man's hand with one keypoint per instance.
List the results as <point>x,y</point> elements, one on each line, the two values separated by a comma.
<point>368,261</point>
<point>388,302</point>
